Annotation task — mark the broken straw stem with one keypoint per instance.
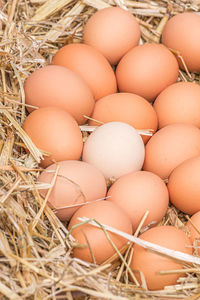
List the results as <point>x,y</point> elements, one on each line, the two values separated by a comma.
<point>153,247</point>
<point>88,128</point>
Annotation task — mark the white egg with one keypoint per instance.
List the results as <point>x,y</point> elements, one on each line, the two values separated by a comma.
<point>115,148</point>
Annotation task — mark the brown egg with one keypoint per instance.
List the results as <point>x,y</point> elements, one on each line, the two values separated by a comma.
<point>147,70</point>
<point>106,213</point>
<point>113,31</point>
<point>179,103</point>
<point>77,183</point>
<point>59,87</point>
<point>91,65</point>
<point>139,192</point>
<point>183,186</point>
<point>150,263</point>
<point>180,34</point>
<point>128,108</point>
<point>194,231</point>
<point>169,147</point>
<point>54,130</point>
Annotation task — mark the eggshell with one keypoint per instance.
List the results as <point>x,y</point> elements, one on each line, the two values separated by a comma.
<point>106,213</point>
<point>113,31</point>
<point>59,87</point>
<point>128,108</point>
<point>77,183</point>
<point>139,192</point>
<point>115,148</point>
<point>180,34</point>
<point>91,65</point>
<point>169,147</point>
<point>150,264</point>
<point>183,186</point>
<point>147,70</point>
<point>179,103</point>
<point>54,130</point>
<point>193,233</point>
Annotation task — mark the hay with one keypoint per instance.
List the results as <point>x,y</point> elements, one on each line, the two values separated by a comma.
<point>35,261</point>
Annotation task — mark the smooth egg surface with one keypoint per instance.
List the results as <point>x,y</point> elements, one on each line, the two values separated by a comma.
<point>169,147</point>
<point>113,31</point>
<point>91,65</point>
<point>147,70</point>
<point>97,247</point>
<point>183,186</point>
<point>150,263</point>
<point>115,148</point>
<point>55,131</point>
<point>180,34</point>
<point>77,183</point>
<point>179,103</point>
<point>59,87</point>
<point>128,108</point>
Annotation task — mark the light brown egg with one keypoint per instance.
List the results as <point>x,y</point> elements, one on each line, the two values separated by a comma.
<point>128,108</point>
<point>106,213</point>
<point>147,70</point>
<point>180,34</point>
<point>54,130</point>
<point>59,87</point>
<point>183,186</point>
<point>91,65</point>
<point>179,103</point>
<point>169,147</point>
<point>113,31</point>
<point>150,264</point>
<point>194,234</point>
<point>139,192</point>
<point>77,183</point>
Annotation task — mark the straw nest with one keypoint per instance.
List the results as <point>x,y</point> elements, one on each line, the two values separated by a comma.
<point>35,253</point>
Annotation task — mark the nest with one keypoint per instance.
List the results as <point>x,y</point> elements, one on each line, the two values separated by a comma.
<point>35,249</point>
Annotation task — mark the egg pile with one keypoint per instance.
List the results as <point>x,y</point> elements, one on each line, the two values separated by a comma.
<point>145,139</point>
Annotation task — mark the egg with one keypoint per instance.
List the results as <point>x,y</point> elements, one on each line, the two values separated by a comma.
<point>183,186</point>
<point>76,183</point>
<point>95,245</point>
<point>147,70</point>
<point>194,234</point>
<point>179,103</point>
<point>113,31</point>
<point>54,130</point>
<point>91,65</point>
<point>59,87</point>
<point>151,263</point>
<point>128,108</point>
<point>169,147</point>
<point>139,192</point>
<point>180,34</point>
<point>115,148</point>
